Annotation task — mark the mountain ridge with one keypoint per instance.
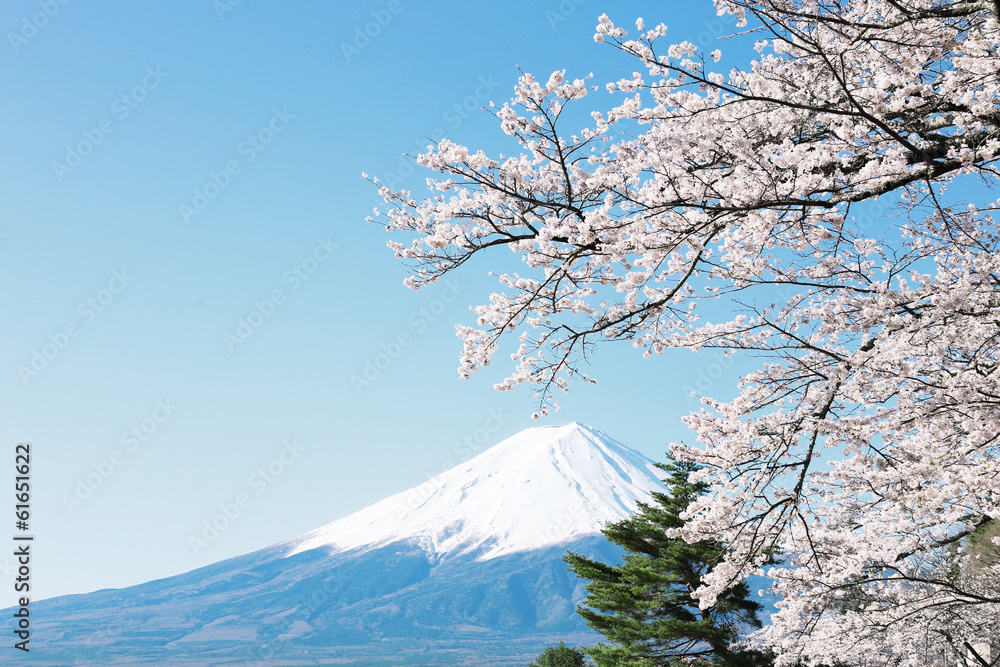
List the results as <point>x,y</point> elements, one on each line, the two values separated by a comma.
<point>469,572</point>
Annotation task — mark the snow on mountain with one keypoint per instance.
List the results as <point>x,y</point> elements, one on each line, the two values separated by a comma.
<point>541,487</point>
<point>465,569</point>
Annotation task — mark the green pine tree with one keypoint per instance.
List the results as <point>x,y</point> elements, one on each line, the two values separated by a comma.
<point>560,656</point>
<point>644,607</point>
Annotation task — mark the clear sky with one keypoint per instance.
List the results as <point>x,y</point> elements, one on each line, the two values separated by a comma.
<point>170,168</point>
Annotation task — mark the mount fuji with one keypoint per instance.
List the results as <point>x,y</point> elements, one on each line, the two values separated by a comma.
<point>541,487</point>
<point>464,569</point>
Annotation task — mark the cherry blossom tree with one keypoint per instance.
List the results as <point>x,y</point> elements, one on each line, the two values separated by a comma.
<point>827,209</point>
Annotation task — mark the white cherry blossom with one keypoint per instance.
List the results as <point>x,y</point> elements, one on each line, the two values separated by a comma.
<point>865,448</point>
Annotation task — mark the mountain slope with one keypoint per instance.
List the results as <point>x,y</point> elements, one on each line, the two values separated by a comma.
<point>466,569</point>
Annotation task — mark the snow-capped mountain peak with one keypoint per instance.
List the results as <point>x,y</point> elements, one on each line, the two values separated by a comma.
<point>541,487</point>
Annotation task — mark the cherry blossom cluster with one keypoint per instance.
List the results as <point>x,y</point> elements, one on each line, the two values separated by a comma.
<point>729,210</point>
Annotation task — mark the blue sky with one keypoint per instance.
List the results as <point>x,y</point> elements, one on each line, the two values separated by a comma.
<point>259,118</point>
